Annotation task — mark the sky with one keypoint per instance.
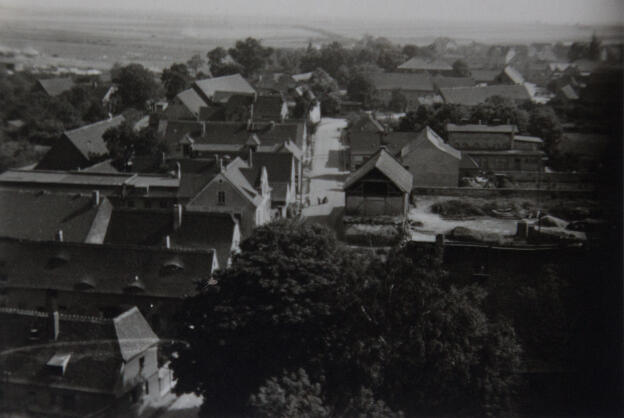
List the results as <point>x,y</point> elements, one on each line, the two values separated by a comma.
<point>524,11</point>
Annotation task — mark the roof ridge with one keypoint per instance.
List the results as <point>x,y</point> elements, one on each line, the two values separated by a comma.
<point>64,316</point>
<point>94,124</point>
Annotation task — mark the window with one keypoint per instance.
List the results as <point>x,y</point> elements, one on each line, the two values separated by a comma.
<point>221,198</point>
<point>163,204</point>
<point>146,388</point>
<point>148,204</point>
<point>141,364</point>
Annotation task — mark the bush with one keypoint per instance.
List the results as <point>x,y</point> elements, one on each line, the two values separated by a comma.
<point>457,208</point>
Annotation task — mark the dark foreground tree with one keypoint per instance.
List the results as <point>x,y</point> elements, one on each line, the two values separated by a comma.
<point>251,55</point>
<point>175,79</point>
<point>136,85</point>
<point>295,298</point>
<point>124,142</point>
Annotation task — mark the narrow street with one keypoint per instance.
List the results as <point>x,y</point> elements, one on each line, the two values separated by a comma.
<point>327,175</point>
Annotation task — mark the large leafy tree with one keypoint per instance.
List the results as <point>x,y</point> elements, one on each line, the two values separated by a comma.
<point>175,79</point>
<point>544,123</point>
<point>295,298</point>
<point>124,142</point>
<point>251,55</point>
<point>136,85</point>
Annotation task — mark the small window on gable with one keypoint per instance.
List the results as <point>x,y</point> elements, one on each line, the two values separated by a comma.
<point>221,198</point>
<point>141,364</point>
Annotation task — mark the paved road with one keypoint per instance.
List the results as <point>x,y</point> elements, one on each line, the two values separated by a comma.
<point>328,174</point>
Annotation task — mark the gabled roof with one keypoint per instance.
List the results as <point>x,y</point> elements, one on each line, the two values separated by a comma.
<point>113,269</point>
<point>90,350</point>
<point>451,127</point>
<point>425,64</point>
<point>387,165</point>
<point>472,96</point>
<point>452,82</point>
<point>40,215</point>
<point>191,100</point>
<point>149,227</point>
<point>395,141</point>
<point>89,139</point>
<point>56,86</point>
<point>268,106</point>
<point>366,122</point>
<point>484,76</point>
<point>429,135</point>
<point>234,83</point>
<point>514,75</point>
<point>402,81</point>
<point>235,175</point>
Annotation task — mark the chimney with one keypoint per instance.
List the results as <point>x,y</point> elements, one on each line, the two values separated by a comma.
<point>250,160</point>
<point>167,241</point>
<point>203,124</point>
<point>59,235</point>
<point>177,216</point>
<point>178,170</point>
<point>96,198</point>
<point>54,324</point>
<point>220,163</point>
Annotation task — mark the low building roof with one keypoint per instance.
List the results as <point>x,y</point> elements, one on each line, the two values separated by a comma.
<point>425,64</point>
<point>402,81</point>
<point>90,350</point>
<point>452,82</point>
<point>364,142</point>
<point>476,128</point>
<point>56,86</point>
<point>268,106</point>
<point>484,76</point>
<point>112,268</point>
<point>191,100</point>
<point>433,138</point>
<point>40,215</point>
<point>386,164</point>
<point>472,96</point>
<point>89,139</point>
<point>234,83</point>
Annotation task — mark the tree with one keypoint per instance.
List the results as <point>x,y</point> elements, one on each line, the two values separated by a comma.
<point>175,79</point>
<point>136,85</point>
<point>289,294</point>
<point>330,105</point>
<point>218,70</point>
<point>461,69</point>
<point>195,63</point>
<point>594,49</point>
<point>544,123</point>
<point>360,88</point>
<point>398,101</point>
<point>251,55</point>
<point>216,55</point>
<point>124,142</point>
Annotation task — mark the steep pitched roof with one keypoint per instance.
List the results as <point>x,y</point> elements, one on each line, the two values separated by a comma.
<point>402,81</point>
<point>365,122</point>
<point>112,269</point>
<point>451,127</point>
<point>514,75</point>
<point>279,165</point>
<point>56,86</point>
<point>39,215</point>
<point>472,96</point>
<point>425,64</point>
<point>234,83</point>
<point>91,350</point>
<point>268,106</point>
<point>452,82</point>
<point>430,136</point>
<point>389,166</point>
<point>89,139</point>
<point>191,100</point>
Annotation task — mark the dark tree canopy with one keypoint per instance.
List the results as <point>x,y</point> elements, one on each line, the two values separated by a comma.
<point>136,85</point>
<point>175,79</point>
<point>251,55</point>
<point>295,298</point>
<point>461,69</point>
<point>216,55</point>
<point>124,142</point>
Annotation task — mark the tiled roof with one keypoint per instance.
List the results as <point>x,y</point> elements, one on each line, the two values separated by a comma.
<point>389,166</point>
<point>424,64</point>
<point>93,349</point>
<point>38,215</point>
<point>514,75</point>
<point>191,100</point>
<point>395,141</point>
<point>112,269</point>
<point>279,165</point>
<point>235,175</point>
<point>56,86</point>
<point>484,76</point>
<point>268,107</point>
<point>365,122</point>
<point>89,139</point>
<point>472,96</point>
<point>452,82</point>
<point>234,83</point>
<point>430,136</point>
<point>451,127</point>
<point>67,178</point>
<point>402,81</point>
<point>203,230</point>
<point>364,142</point>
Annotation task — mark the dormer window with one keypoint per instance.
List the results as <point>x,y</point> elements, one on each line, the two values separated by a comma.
<point>57,260</point>
<point>86,283</point>
<point>135,286</point>
<point>58,364</point>
<point>172,265</point>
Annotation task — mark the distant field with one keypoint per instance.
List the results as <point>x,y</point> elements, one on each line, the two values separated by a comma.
<point>156,41</point>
